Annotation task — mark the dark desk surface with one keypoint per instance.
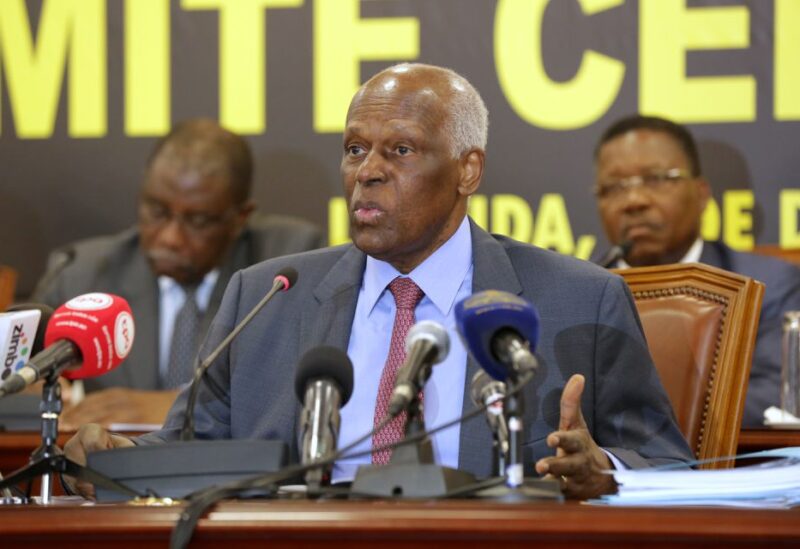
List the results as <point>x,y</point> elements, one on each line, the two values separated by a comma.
<point>439,524</point>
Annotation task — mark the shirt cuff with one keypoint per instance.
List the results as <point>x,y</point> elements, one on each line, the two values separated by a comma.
<point>615,461</point>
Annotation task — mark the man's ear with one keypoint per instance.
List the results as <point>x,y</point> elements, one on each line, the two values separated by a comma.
<point>471,171</point>
<point>243,213</point>
<point>703,193</point>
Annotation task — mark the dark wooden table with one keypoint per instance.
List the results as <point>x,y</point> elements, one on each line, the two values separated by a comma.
<point>439,524</point>
<point>753,440</point>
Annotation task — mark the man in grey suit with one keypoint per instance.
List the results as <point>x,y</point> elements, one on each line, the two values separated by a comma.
<point>413,154</point>
<point>651,193</point>
<point>195,229</point>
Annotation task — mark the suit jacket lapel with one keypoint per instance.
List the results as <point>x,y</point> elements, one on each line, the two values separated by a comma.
<point>328,316</point>
<point>492,270</point>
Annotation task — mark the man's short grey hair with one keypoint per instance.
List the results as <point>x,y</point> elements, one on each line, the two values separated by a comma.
<point>467,123</point>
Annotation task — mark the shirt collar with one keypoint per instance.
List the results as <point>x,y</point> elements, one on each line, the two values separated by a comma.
<point>435,276</point>
<point>692,255</point>
<point>168,285</point>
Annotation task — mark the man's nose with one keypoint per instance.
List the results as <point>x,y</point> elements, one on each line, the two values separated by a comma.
<point>172,234</point>
<point>636,198</point>
<point>372,170</point>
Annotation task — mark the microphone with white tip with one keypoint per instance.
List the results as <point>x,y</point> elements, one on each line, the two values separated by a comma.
<point>427,343</point>
<point>490,393</point>
<point>88,336</point>
<point>323,383</point>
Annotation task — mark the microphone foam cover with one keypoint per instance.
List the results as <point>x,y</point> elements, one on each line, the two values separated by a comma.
<point>481,316</point>
<point>325,362</point>
<point>100,325</point>
<point>46,312</point>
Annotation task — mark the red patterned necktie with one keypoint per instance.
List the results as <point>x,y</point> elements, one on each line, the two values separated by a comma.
<point>406,296</point>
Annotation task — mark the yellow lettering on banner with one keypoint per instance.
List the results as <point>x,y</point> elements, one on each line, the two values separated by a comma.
<point>787,60</point>
<point>342,40</point>
<point>552,225</point>
<point>667,30</point>
<point>147,67</point>
<point>512,217</point>
<point>584,246</point>
<point>738,216</point>
<point>790,211</point>
<point>535,97</point>
<point>338,221</point>
<point>478,210</point>
<point>711,221</point>
<point>35,71</point>
<point>242,60</point>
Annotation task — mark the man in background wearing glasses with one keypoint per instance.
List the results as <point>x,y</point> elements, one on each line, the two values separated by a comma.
<point>194,230</point>
<point>651,195</point>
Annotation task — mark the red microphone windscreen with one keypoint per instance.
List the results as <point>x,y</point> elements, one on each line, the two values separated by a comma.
<point>100,325</point>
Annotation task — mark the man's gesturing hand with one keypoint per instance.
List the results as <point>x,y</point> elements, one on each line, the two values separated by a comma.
<point>579,462</point>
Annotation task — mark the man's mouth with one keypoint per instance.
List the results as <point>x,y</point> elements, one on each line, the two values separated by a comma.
<point>639,230</point>
<point>367,213</point>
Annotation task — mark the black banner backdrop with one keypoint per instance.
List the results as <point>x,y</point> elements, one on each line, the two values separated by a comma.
<point>86,86</point>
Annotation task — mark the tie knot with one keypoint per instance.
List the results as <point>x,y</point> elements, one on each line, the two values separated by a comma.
<point>406,293</point>
<point>189,292</point>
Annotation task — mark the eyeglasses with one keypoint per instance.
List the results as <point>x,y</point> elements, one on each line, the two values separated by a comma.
<point>654,182</point>
<point>156,214</point>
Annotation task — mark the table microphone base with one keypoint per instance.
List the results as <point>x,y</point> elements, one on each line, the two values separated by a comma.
<point>409,480</point>
<point>533,489</point>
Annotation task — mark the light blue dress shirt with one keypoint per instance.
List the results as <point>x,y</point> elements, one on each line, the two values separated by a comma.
<point>446,279</point>
<point>170,301</point>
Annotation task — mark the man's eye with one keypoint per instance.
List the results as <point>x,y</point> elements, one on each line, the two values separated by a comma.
<point>403,150</point>
<point>354,150</point>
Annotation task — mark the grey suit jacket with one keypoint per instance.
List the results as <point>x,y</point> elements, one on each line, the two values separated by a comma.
<point>782,281</point>
<point>589,325</point>
<point>115,264</point>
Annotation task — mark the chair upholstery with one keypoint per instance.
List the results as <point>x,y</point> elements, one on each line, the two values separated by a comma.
<point>8,283</point>
<point>700,323</point>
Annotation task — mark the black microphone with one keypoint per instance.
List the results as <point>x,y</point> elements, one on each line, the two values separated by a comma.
<point>285,279</point>
<point>427,343</point>
<point>323,383</point>
<point>617,252</point>
<point>489,393</point>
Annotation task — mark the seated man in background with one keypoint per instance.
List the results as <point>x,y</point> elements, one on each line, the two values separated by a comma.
<point>194,231</point>
<point>651,195</point>
<point>413,153</point>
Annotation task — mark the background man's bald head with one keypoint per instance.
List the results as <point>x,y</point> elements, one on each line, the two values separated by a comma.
<point>201,146</point>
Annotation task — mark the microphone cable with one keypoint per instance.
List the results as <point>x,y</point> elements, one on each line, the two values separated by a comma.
<point>200,501</point>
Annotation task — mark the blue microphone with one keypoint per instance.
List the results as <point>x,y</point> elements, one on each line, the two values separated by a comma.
<point>501,331</point>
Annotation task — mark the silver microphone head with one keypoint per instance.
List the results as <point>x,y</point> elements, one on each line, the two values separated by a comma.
<point>428,330</point>
<point>485,389</point>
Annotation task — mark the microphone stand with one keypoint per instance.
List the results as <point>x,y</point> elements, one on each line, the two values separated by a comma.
<point>48,459</point>
<point>517,487</point>
<point>411,471</point>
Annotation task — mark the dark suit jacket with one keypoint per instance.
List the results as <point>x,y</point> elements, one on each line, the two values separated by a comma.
<point>782,281</point>
<point>589,326</point>
<point>115,264</point>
